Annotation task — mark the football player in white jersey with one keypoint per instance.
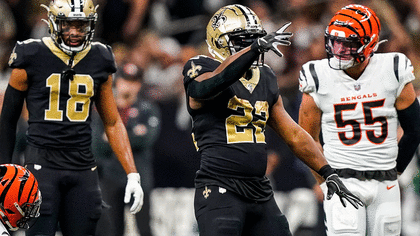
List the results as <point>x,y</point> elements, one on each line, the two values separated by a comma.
<point>357,98</point>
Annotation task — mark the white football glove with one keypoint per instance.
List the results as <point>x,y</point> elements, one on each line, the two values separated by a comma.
<point>134,187</point>
<point>274,39</point>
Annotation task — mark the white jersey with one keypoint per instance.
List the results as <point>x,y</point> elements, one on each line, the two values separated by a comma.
<point>359,120</point>
<point>3,230</point>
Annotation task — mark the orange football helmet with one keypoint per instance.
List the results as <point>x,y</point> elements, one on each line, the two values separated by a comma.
<point>352,36</point>
<point>20,197</point>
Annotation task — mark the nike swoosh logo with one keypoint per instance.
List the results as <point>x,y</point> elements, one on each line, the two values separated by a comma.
<point>389,187</point>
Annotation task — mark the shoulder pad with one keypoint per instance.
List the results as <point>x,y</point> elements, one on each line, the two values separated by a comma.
<point>199,65</point>
<point>107,54</point>
<point>403,69</point>
<point>22,50</point>
<point>308,78</point>
<point>106,50</point>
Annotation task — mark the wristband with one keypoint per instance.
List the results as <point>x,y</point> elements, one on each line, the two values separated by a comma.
<point>326,171</point>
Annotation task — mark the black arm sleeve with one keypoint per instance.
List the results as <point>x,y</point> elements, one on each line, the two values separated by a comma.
<point>410,122</point>
<point>234,71</point>
<point>10,113</point>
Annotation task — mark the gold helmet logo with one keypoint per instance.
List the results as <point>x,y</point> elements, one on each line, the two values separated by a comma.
<point>218,20</point>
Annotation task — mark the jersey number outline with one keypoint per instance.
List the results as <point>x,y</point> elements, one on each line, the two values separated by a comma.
<point>368,119</point>
<point>243,128</point>
<point>77,99</point>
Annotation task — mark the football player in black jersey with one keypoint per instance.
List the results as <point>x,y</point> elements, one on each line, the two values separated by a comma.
<point>59,78</point>
<point>231,97</point>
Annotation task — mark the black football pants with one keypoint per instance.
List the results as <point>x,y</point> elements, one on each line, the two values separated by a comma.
<point>70,198</point>
<point>222,213</point>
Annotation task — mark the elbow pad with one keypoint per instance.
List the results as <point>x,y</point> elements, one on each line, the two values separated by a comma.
<point>410,122</point>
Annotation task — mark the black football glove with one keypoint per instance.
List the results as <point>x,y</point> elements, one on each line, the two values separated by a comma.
<point>274,39</point>
<point>335,185</point>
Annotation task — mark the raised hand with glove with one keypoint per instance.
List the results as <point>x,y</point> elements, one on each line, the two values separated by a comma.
<point>272,40</point>
<point>335,185</point>
<point>134,188</point>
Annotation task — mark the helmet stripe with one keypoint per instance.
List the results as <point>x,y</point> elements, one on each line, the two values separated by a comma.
<point>243,12</point>
<point>348,27</point>
<point>351,28</point>
<point>247,13</point>
<point>367,17</point>
<point>77,6</point>
<point>30,192</point>
<point>6,189</point>
<point>377,23</point>
<point>23,180</point>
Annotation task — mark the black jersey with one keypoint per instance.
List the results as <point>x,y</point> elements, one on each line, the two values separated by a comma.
<point>60,109</point>
<point>229,130</point>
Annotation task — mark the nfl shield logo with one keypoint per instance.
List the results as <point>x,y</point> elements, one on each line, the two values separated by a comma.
<point>357,87</point>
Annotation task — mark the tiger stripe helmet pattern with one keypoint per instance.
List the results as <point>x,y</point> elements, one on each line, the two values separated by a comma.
<point>355,27</point>
<point>20,198</point>
<point>231,29</point>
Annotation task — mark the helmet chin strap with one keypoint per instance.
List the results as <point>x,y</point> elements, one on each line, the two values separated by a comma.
<point>338,64</point>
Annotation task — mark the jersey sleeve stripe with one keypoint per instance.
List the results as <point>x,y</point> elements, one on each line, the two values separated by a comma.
<point>396,64</point>
<point>304,75</point>
<point>314,75</point>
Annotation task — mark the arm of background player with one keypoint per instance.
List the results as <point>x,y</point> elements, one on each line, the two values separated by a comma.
<point>114,127</point>
<point>135,18</point>
<point>310,120</point>
<point>307,150</point>
<point>11,110</point>
<point>409,117</point>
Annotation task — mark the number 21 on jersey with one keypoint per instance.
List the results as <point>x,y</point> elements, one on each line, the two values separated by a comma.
<point>77,106</point>
<point>247,127</point>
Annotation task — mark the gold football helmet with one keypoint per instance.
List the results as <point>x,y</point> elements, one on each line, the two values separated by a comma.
<point>231,29</point>
<point>62,11</point>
